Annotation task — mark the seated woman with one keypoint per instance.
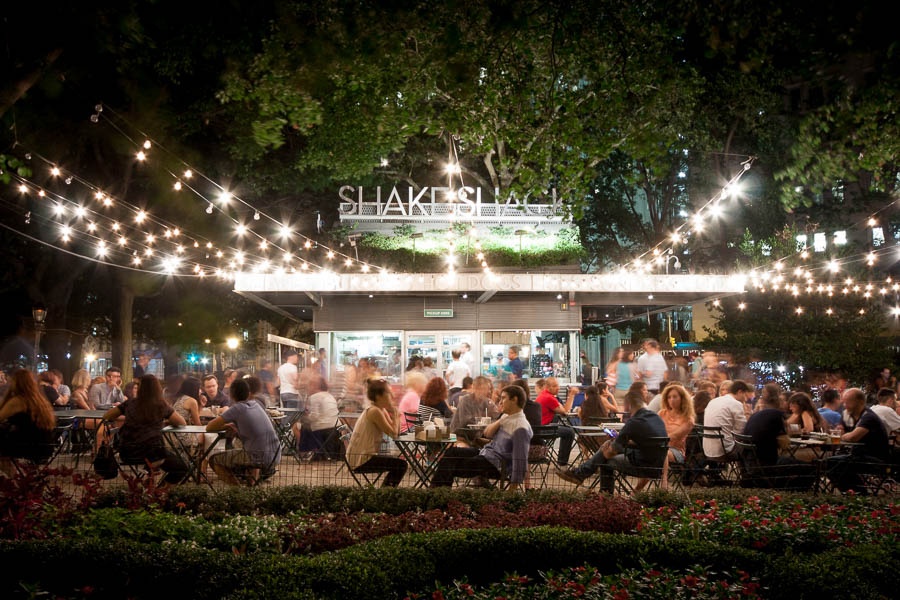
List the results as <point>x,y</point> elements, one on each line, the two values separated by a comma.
<point>187,404</point>
<point>319,424</point>
<point>598,402</point>
<point>803,414</point>
<point>380,419</point>
<point>433,402</point>
<point>27,422</point>
<point>140,437</point>
<point>677,413</point>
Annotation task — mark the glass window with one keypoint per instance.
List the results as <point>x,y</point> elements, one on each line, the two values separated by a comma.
<point>380,347</point>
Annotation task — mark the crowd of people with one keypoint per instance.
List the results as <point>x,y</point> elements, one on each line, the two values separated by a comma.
<point>654,399</point>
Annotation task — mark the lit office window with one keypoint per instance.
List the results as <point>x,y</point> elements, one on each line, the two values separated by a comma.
<point>840,238</point>
<point>802,242</point>
<point>877,237</point>
<point>819,242</point>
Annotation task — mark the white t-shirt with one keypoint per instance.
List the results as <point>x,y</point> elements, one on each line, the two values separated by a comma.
<point>469,359</point>
<point>456,372</point>
<point>287,377</point>
<point>888,416</point>
<point>725,412</point>
<point>653,370</point>
<point>323,411</point>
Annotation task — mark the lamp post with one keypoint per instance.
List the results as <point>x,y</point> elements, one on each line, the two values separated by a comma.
<point>39,314</point>
<point>232,344</point>
<point>677,264</point>
<point>520,233</point>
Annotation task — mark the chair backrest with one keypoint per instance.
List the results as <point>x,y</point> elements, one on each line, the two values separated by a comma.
<point>412,419</point>
<point>601,420</point>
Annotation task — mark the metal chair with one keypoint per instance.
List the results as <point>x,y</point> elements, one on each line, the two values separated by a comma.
<point>362,478</point>
<point>41,456</point>
<point>623,479</point>
<point>542,452</point>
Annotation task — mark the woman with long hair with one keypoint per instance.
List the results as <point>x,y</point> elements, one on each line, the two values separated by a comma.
<point>27,421</point>
<point>140,437</point>
<point>677,413</point>
<point>81,381</point>
<point>433,402</point>
<point>598,402</point>
<point>626,374</point>
<point>612,368</point>
<point>187,404</point>
<point>803,414</point>
<point>379,419</point>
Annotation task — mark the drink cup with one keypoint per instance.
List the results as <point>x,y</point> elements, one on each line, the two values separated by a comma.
<point>835,436</point>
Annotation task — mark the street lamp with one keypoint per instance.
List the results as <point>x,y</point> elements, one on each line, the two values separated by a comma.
<point>39,314</point>
<point>520,233</point>
<point>677,264</point>
<point>232,344</point>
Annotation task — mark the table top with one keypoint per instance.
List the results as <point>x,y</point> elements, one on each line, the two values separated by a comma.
<point>411,437</point>
<point>89,414</point>
<point>187,429</point>
<point>598,428</point>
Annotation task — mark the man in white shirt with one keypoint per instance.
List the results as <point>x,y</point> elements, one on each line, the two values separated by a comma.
<point>652,366</point>
<point>886,409</point>
<point>727,413</point>
<point>456,371</point>
<point>288,375</point>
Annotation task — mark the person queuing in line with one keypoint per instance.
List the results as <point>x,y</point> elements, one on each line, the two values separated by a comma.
<point>515,366</point>
<point>27,422</point>
<point>409,403</point>
<point>507,451</point>
<point>468,357</point>
<point>626,374</point>
<point>260,448</point>
<point>803,414</point>
<point>456,371</point>
<point>377,420</point>
<point>433,403</point>
<point>554,412</point>
<point>140,438</point>
<point>629,452</point>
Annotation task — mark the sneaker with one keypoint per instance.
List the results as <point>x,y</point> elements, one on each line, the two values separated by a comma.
<point>570,476</point>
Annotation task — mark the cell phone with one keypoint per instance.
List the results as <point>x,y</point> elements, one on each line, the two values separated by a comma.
<point>612,433</point>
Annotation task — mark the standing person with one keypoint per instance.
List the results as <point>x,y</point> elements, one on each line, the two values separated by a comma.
<point>260,447</point>
<point>29,422</point>
<point>611,372</point>
<point>140,437</point>
<point>269,383</point>
<point>626,374</point>
<point>428,368</point>
<point>652,366</point>
<point>380,419</point>
<point>140,368</point>
<point>587,370</point>
<point>510,439</point>
<point>104,396</point>
<point>515,366</point>
<point>288,379</point>
<point>710,368</point>
<point>468,357</point>
<point>322,364</point>
<point>456,371</point>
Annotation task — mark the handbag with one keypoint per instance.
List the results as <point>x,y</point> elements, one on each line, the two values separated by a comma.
<point>105,463</point>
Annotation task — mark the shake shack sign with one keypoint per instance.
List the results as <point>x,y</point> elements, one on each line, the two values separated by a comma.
<point>443,204</point>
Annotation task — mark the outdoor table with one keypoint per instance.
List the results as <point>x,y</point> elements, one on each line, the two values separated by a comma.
<point>423,456</point>
<point>590,437</point>
<point>193,460</point>
<point>349,418</point>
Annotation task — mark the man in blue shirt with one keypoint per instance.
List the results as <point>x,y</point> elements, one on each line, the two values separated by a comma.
<point>831,407</point>
<point>507,451</point>
<point>515,365</point>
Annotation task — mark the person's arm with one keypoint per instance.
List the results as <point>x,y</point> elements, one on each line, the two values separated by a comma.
<point>386,420</point>
<point>175,420</point>
<point>609,402</point>
<point>682,430</point>
<point>857,434</point>
<point>217,424</point>
<point>807,423</point>
<point>566,408</point>
<point>11,407</point>
<point>521,440</point>
<point>194,409</point>
<point>491,430</point>
<point>112,414</point>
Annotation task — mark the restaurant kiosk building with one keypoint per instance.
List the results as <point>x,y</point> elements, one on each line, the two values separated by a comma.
<point>390,317</point>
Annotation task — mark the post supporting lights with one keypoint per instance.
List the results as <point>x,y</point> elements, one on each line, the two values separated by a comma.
<point>232,344</point>
<point>39,314</point>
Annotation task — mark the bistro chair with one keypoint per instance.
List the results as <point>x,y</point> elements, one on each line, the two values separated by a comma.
<point>624,480</point>
<point>542,453</point>
<point>361,478</point>
<point>41,456</point>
